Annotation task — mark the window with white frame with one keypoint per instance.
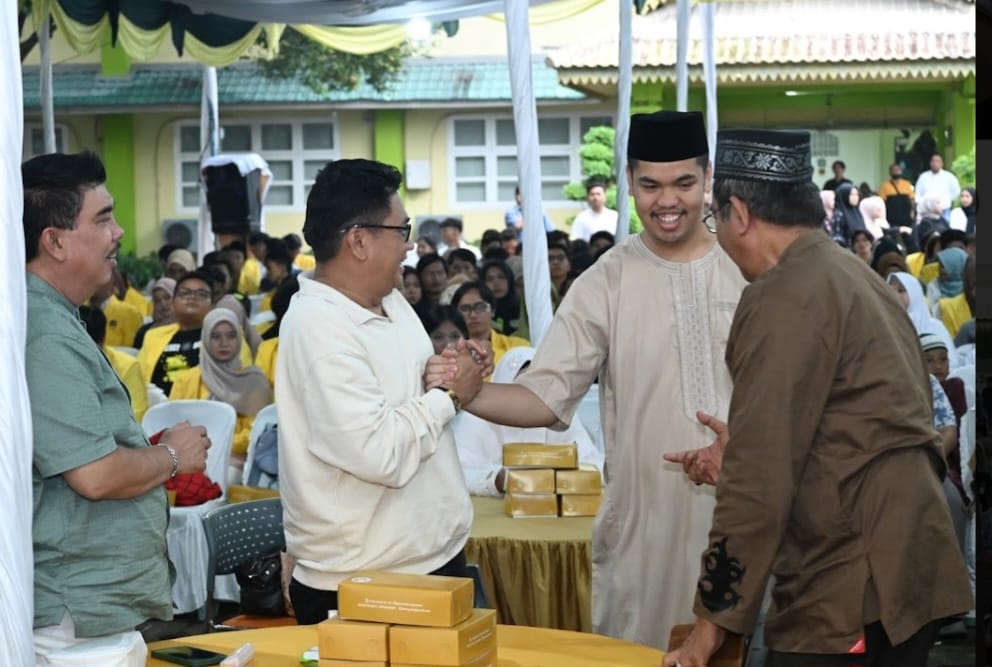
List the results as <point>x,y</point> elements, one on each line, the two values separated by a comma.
<point>34,141</point>
<point>483,157</point>
<point>294,149</point>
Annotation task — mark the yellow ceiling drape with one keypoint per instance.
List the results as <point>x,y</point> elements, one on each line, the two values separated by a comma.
<point>362,40</point>
<point>553,11</point>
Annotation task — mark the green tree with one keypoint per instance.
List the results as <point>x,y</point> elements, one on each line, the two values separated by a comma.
<point>323,69</point>
<point>964,168</point>
<point>599,164</point>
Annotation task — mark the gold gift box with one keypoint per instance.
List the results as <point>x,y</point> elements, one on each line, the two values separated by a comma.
<point>586,480</point>
<point>407,599</point>
<point>334,662</point>
<point>539,455</point>
<point>486,660</point>
<point>460,645</point>
<point>580,505</point>
<point>545,504</point>
<point>530,480</point>
<point>352,640</point>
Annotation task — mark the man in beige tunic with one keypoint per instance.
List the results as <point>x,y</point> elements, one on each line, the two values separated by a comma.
<point>650,319</point>
<point>826,482</point>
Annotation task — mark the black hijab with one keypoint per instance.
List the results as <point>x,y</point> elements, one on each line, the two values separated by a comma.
<point>507,308</point>
<point>847,218</point>
<point>971,211</point>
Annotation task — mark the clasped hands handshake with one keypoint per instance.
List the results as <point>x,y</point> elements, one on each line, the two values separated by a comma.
<point>459,368</point>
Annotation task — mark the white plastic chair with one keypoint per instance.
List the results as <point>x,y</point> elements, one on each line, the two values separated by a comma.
<point>187,543</point>
<point>155,395</point>
<point>261,318</point>
<point>256,303</point>
<point>265,416</point>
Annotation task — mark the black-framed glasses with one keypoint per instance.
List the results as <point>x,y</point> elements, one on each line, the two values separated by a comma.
<point>710,219</point>
<point>199,294</point>
<point>406,229</point>
<point>478,308</point>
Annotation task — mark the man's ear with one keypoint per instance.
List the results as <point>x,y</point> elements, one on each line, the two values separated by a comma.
<point>51,243</point>
<point>354,242</point>
<point>742,221</point>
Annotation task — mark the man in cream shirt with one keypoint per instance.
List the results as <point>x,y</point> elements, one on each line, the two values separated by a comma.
<point>369,474</point>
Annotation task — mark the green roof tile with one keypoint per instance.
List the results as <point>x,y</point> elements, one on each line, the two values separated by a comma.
<point>80,87</point>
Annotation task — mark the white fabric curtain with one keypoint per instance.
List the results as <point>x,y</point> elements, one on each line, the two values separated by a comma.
<point>16,560</point>
<point>209,146</point>
<point>624,92</point>
<point>537,280</point>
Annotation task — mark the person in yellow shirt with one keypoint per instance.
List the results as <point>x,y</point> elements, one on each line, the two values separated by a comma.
<point>222,377</point>
<point>126,366</point>
<point>300,261</point>
<point>477,304</point>
<point>278,267</point>
<point>954,311</point>
<point>124,291</point>
<point>269,348</point>
<point>123,319</point>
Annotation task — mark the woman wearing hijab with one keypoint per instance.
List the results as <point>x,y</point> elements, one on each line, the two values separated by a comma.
<point>829,198</point>
<point>163,291</point>
<point>498,277</point>
<point>847,217</point>
<point>873,213</point>
<point>178,263</point>
<point>950,280</point>
<point>220,376</point>
<point>911,294</point>
<point>963,217</point>
<point>480,443</point>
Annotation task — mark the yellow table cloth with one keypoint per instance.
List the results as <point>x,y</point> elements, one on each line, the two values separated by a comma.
<point>535,571</point>
<point>516,647</point>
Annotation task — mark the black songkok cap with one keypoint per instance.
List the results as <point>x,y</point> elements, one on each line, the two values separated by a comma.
<point>666,136</point>
<point>768,156</point>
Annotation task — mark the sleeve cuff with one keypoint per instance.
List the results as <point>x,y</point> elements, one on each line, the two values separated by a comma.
<point>440,406</point>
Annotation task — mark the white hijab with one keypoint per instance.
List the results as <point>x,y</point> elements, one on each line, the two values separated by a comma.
<point>247,389</point>
<point>919,314</point>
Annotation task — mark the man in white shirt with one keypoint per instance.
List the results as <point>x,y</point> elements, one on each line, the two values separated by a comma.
<point>938,181</point>
<point>596,218</point>
<point>451,237</point>
<point>369,474</point>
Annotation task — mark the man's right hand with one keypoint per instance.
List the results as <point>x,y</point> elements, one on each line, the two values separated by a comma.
<point>191,444</point>
<point>467,382</point>
<point>702,466</point>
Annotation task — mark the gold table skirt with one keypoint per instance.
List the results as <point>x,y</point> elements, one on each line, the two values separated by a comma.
<point>516,647</point>
<point>536,572</point>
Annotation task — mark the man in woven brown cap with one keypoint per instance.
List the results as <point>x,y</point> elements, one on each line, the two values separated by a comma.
<point>650,319</point>
<point>826,483</point>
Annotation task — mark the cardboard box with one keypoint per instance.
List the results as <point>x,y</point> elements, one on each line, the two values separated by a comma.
<point>460,645</point>
<point>352,640</point>
<point>539,455</point>
<point>543,505</point>
<point>331,662</point>
<point>580,505</point>
<point>586,480</point>
<point>530,480</point>
<point>485,660</point>
<point>407,599</point>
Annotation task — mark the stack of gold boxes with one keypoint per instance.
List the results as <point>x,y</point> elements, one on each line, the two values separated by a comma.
<point>547,481</point>
<point>403,620</point>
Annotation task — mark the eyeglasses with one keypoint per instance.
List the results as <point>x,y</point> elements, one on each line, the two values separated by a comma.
<point>478,308</point>
<point>710,219</point>
<point>200,294</point>
<point>405,230</point>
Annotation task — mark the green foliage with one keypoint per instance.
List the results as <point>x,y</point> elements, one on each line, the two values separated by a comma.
<point>964,168</point>
<point>323,69</point>
<point>599,164</point>
<point>139,270</point>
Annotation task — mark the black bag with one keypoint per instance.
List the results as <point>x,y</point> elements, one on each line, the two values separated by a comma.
<point>261,586</point>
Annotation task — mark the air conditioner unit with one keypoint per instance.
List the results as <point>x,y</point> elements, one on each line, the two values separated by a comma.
<point>183,233</point>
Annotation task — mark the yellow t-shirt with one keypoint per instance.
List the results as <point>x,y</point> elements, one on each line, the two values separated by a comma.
<point>251,277</point>
<point>954,312</point>
<point>501,343</point>
<point>265,359</point>
<point>139,301</point>
<point>129,371</point>
<point>305,262</point>
<point>123,322</point>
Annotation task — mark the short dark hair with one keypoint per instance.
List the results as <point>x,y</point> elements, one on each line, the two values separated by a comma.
<point>496,252</point>
<point>508,234</point>
<point>464,254</point>
<point>490,236</point>
<point>429,259</point>
<point>410,271</point>
<point>55,186</point>
<point>451,222</point>
<point>201,274</point>
<point>96,323</point>
<point>347,192</point>
<point>484,292</point>
<point>257,237</point>
<point>602,235</point>
<point>838,163</point>
<point>784,204</point>
<point>283,295</point>
<point>861,232</point>
<point>219,257</point>
<point>276,250</point>
<point>558,236</point>
<point>293,241</point>
<point>166,250</point>
<point>949,236</point>
<point>237,246</point>
<point>432,318</point>
<point>595,183</point>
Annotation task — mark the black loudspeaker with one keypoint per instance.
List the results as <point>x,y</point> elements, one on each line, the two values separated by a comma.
<point>233,199</point>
